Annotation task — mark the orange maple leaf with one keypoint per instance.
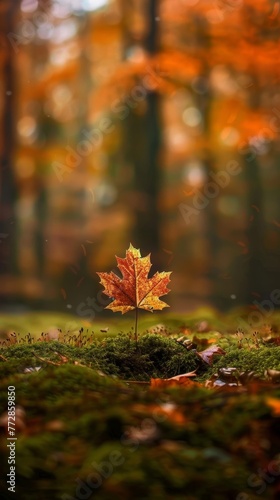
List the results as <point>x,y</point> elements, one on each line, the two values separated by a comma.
<point>135,289</point>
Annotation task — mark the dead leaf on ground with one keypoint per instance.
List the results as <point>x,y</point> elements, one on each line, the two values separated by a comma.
<point>184,379</point>
<point>203,341</point>
<point>208,354</point>
<point>274,404</point>
<point>273,375</point>
<point>273,340</point>
<point>162,411</point>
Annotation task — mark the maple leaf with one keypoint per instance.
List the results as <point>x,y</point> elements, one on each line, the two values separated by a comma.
<point>135,290</point>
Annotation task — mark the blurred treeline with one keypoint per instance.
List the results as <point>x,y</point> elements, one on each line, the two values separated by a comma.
<point>116,117</point>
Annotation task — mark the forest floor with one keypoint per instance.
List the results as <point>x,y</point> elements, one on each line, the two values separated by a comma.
<point>190,411</point>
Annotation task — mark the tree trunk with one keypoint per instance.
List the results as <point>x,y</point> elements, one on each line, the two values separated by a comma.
<point>142,145</point>
<point>7,183</point>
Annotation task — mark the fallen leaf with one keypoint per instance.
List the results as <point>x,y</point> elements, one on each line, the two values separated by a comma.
<point>273,375</point>
<point>208,354</point>
<point>274,404</point>
<point>204,341</point>
<point>177,380</point>
<point>161,412</point>
<point>273,340</point>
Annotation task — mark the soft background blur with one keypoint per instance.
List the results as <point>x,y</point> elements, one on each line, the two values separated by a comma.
<point>114,116</point>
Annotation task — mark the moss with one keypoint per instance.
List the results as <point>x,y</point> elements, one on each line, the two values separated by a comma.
<point>257,360</point>
<point>156,357</point>
<point>208,440</point>
<point>46,350</point>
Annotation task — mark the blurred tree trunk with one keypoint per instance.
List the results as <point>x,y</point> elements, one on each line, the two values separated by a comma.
<point>255,233</point>
<point>255,230</point>
<point>142,145</point>
<point>211,236</point>
<point>7,183</point>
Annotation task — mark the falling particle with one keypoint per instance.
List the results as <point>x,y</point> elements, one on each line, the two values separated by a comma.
<point>157,18</point>
<point>256,208</point>
<point>69,306</point>
<point>276,223</point>
<point>233,296</point>
<point>46,241</point>
<point>9,92</point>
<point>63,293</point>
<point>80,281</point>
<point>84,249</point>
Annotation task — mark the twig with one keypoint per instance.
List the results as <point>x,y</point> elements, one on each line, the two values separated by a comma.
<point>46,360</point>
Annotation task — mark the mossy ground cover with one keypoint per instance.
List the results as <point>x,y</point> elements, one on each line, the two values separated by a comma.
<point>89,425</point>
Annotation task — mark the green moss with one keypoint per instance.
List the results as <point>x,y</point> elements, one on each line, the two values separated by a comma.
<point>257,360</point>
<point>155,357</point>
<point>202,448</point>
<point>97,411</point>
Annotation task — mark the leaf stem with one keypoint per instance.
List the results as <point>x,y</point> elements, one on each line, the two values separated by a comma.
<point>136,327</point>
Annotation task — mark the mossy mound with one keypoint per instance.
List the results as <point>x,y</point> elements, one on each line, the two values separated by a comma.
<point>257,360</point>
<point>88,434</point>
<point>153,357</point>
<point>89,431</point>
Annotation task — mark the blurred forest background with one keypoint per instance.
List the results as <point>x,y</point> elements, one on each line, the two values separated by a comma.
<point>150,121</point>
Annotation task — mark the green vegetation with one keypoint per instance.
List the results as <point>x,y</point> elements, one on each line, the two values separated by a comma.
<point>88,418</point>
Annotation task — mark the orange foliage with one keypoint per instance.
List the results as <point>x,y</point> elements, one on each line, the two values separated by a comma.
<point>135,289</point>
<point>179,380</point>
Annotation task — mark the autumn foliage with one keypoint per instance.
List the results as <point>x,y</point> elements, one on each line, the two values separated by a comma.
<point>135,290</point>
